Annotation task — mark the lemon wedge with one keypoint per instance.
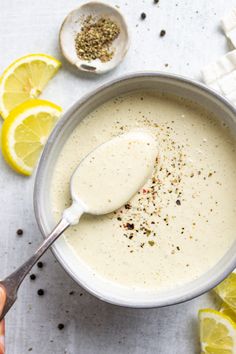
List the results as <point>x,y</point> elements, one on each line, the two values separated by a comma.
<point>227,291</point>
<point>25,132</point>
<point>25,78</point>
<point>217,333</point>
<point>226,310</point>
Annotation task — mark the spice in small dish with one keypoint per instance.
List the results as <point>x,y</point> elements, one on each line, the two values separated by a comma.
<point>94,37</point>
<point>94,41</point>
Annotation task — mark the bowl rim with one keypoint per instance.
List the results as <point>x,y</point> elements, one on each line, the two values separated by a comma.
<point>193,293</point>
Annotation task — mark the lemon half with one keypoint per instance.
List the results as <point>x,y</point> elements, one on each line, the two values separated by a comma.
<point>25,132</point>
<point>217,333</point>
<point>25,78</point>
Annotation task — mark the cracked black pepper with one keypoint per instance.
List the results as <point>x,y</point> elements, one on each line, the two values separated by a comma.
<point>95,39</point>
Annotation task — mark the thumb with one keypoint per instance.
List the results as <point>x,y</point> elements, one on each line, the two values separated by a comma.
<point>2,298</point>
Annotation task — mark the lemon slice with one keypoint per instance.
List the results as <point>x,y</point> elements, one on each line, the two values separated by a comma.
<point>25,131</point>
<point>226,310</point>
<point>217,333</point>
<point>25,78</point>
<point>227,291</point>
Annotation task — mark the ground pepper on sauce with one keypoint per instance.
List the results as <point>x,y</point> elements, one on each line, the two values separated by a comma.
<point>167,178</point>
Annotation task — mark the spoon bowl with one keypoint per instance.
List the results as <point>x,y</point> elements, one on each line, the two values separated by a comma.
<point>109,176</point>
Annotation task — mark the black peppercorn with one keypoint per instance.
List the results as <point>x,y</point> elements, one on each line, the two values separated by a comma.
<point>162,33</point>
<point>19,232</point>
<point>178,202</point>
<point>60,326</point>
<point>156,1</point>
<point>130,226</point>
<point>127,206</point>
<point>40,264</point>
<point>143,15</point>
<point>40,292</point>
<point>32,276</point>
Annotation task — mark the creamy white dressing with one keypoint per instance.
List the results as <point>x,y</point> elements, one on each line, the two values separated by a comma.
<point>112,173</point>
<point>183,220</point>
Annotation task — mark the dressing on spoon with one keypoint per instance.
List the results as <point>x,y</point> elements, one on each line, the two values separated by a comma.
<point>111,174</point>
<point>104,181</point>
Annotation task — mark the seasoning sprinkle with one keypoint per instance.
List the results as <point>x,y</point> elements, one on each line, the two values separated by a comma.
<point>127,206</point>
<point>129,226</point>
<point>19,232</point>
<point>95,39</point>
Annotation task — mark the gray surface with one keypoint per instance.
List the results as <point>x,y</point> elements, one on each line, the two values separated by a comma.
<point>91,326</point>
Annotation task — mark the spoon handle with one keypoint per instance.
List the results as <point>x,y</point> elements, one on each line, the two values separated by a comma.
<point>2,323</point>
<point>13,281</point>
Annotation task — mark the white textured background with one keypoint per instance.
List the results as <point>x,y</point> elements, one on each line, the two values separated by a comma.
<point>193,39</point>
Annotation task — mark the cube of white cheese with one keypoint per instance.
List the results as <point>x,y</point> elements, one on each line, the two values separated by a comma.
<point>221,75</point>
<point>228,25</point>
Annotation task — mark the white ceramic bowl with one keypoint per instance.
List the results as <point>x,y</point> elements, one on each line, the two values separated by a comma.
<point>77,269</point>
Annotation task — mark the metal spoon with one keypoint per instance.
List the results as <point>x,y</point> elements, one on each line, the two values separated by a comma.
<point>71,216</point>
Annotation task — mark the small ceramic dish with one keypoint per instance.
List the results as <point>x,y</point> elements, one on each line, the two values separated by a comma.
<point>72,25</point>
